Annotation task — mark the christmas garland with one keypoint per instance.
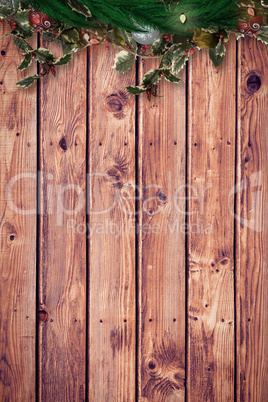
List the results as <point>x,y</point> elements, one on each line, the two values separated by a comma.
<point>167,29</point>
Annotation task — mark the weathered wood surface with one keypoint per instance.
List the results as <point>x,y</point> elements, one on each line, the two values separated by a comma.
<point>173,308</point>
<point>161,245</point>
<point>18,166</point>
<point>62,239</point>
<point>111,192</point>
<point>211,175</point>
<point>252,222</point>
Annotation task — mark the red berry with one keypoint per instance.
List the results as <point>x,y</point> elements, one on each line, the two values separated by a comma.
<point>128,46</point>
<point>33,56</point>
<point>107,47</point>
<point>83,32</point>
<point>161,74</point>
<point>143,49</point>
<point>146,46</point>
<point>107,41</point>
<point>192,51</point>
<point>185,53</point>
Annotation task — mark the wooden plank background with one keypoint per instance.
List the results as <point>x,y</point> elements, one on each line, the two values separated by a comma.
<point>134,234</point>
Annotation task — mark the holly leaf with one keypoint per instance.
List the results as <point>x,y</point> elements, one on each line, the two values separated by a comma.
<point>16,5</point>
<point>179,61</point>
<point>27,81</point>
<point>158,46</point>
<point>5,10</point>
<point>44,55</point>
<point>20,44</point>
<point>135,90</point>
<point>263,35</point>
<point>79,7</point>
<point>217,54</point>
<point>70,35</point>
<point>26,62</point>
<point>63,60</point>
<point>123,61</point>
<point>150,78</point>
<point>169,76</point>
<point>23,27</point>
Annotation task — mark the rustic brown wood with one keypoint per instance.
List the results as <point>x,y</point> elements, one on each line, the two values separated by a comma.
<point>252,222</point>
<point>17,229</point>
<point>62,329</point>
<point>112,231</point>
<point>161,180</point>
<point>211,168</point>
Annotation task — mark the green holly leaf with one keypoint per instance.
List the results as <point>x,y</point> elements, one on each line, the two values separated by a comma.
<point>152,77</point>
<point>217,54</point>
<point>26,62</point>
<point>5,10</point>
<point>169,76</point>
<point>79,7</point>
<point>179,61</point>
<point>168,58</point>
<point>16,5</point>
<point>44,55</point>
<point>21,44</point>
<point>23,28</point>
<point>27,81</point>
<point>63,60</point>
<point>263,35</point>
<point>123,61</point>
<point>135,90</point>
<point>70,35</point>
<point>158,46</point>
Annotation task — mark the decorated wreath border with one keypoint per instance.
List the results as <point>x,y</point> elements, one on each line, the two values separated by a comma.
<point>172,50</point>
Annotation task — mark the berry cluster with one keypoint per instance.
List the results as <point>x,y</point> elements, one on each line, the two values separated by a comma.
<point>151,90</point>
<point>46,69</point>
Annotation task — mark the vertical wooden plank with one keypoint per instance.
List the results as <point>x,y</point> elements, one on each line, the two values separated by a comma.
<point>111,231</point>
<point>162,132</point>
<point>62,335</point>
<point>211,176</point>
<point>17,228</point>
<point>252,222</point>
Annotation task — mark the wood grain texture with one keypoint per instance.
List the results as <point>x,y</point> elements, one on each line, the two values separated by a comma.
<point>62,329</point>
<point>161,257</point>
<point>18,167</point>
<point>211,167</point>
<point>252,222</point>
<point>111,231</point>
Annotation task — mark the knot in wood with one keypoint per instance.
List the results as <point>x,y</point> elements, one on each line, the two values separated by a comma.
<point>117,174</point>
<point>116,104</point>
<point>161,198</point>
<point>254,83</point>
<point>43,315</point>
<point>152,366</point>
<point>63,144</point>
